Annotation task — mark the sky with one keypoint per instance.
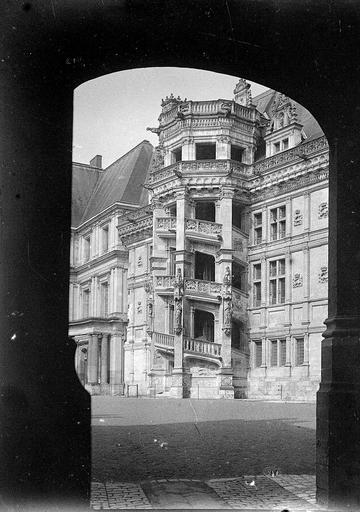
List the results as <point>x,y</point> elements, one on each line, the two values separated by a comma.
<point>112,112</point>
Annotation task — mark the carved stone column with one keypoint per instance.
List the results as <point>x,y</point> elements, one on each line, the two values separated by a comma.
<point>116,363</point>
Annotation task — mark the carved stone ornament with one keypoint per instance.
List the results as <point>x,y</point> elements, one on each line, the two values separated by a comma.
<point>178,284</point>
<point>225,139</point>
<point>297,280</point>
<point>242,93</point>
<point>227,276</point>
<point>227,317</point>
<point>323,210</point>
<point>323,275</point>
<point>178,316</point>
<point>148,286</point>
<point>139,261</point>
<point>225,107</point>
<point>139,307</point>
<point>298,218</point>
<point>238,244</point>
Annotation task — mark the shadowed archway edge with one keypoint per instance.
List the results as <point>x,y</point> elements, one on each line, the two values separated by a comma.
<point>305,49</point>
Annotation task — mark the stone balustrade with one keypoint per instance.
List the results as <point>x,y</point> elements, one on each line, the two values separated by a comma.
<point>163,340</point>
<point>203,287</point>
<point>165,223</point>
<point>203,227</point>
<point>206,348</point>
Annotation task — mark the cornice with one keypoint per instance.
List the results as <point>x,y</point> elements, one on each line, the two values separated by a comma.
<point>103,258</point>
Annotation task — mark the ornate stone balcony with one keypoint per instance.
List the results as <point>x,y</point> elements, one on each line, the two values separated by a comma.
<point>191,168</point>
<point>166,226</point>
<point>164,284</point>
<point>162,340</point>
<point>201,347</point>
<point>200,229</point>
<point>202,289</point>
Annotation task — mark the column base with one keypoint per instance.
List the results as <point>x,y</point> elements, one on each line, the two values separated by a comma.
<point>181,384</point>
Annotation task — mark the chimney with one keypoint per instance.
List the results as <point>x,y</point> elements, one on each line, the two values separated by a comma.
<point>96,161</point>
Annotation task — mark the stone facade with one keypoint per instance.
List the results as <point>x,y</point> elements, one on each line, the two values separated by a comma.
<point>226,264</point>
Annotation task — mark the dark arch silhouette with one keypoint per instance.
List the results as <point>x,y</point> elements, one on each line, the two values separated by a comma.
<point>306,49</point>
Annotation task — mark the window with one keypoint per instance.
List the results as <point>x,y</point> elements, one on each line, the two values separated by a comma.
<point>86,303</point>
<point>257,228</point>
<point>299,351</point>
<point>104,299</point>
<point>277,223</point>
<point>277,281</point>
<point>236,153</point>
<point>257,284</point>
<point>205,151</point>
<point>172,210</point>
<point>282,352</point>
<point>177,155</point>
<point>281,145</point>
<point>258,353</point>
<point>239,276</point>
<point>86,248</point>
<point>205,210</point>
<point>105,238</point>
<point>273,353</point>
<point>172,261</point>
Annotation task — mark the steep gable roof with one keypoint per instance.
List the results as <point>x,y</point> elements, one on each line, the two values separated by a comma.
<point>120,182</point>
<point>84,180</point>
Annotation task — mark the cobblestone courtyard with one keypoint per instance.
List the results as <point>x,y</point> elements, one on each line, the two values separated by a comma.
<point>202,454</point>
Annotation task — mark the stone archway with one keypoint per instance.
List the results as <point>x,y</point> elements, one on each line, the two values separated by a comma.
<point>306,50</point>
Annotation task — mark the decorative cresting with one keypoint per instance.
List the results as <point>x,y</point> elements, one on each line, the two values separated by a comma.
<point>203,227</point>
<point>283,113</point>
<point>149,290</point>
<point>178,301</point>
<point>227,302</point>
<point>206,348</point>
<point>242,93</point>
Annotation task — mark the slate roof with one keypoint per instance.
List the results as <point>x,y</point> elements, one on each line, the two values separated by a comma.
<point>265,100</point>
<point>94,190</point>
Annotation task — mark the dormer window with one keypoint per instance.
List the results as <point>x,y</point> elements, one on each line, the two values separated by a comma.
<point>205,151</point>
<point>277,147</point>
<point>281,145</point>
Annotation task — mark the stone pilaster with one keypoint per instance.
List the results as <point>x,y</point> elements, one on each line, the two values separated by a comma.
<point>104,359</point>
<point>93,354</point>
<point>116,364</point>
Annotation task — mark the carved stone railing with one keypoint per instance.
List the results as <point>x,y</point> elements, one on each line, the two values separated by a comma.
<point>203,227</point>
<point>165,223</point>
<point>163,340</point>
<point>291,154</point>
<point>234,168</point>
<point>206,348</point>
<point>136,230</point>
<point>188,168</point>
<point>202,287</point>
<point>164,281</point>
